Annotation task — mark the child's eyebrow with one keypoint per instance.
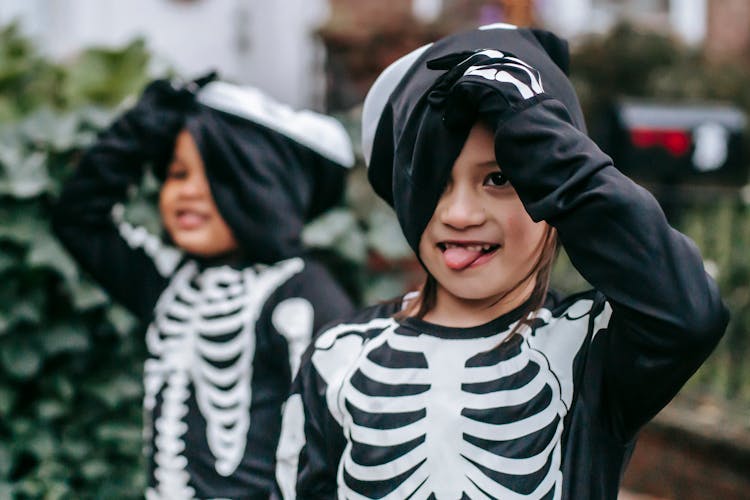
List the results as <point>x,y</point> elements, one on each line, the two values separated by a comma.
<point>489,164</point>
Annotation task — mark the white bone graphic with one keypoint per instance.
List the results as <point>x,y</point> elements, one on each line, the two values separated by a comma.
<point>445,430</point>
<point>203,334</point>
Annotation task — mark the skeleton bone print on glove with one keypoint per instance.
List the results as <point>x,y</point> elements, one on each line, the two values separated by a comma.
<point>449,418</point>
<point>502,67</point>
<point>203,335</point>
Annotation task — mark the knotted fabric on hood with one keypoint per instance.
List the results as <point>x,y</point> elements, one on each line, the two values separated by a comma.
<point>407,146</point>
<point>270,168</point>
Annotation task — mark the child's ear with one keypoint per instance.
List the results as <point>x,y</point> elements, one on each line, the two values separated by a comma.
<point>556,48</point>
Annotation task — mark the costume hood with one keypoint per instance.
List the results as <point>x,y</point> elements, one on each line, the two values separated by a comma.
<point>407,147</point>
<point>270,168</point>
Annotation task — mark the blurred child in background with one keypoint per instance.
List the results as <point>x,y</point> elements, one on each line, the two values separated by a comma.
<point>231,299</point>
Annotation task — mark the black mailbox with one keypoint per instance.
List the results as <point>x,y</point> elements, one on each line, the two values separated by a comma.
<point>676,144</point>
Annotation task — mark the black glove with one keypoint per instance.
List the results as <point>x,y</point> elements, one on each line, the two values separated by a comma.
<point>487,83</point>
<point>154,122</point>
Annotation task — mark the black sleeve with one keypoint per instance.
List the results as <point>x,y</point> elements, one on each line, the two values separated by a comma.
<point>295,312</point>
<point>667,314</point>
<point>130,264</point>
<point>324,438</point>
<point>328,299</point>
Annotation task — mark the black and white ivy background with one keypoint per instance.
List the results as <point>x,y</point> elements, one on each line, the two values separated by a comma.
<point>71,361</point>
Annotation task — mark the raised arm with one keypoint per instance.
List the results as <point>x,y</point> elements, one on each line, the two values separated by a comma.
<point>667,314</point>
<point>129,263</point>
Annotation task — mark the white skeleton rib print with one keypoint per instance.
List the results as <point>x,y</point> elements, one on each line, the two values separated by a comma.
<point>203,334</point>
<point>449,418</point>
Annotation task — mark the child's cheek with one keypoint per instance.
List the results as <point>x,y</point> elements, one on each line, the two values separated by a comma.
<point>520,230</point>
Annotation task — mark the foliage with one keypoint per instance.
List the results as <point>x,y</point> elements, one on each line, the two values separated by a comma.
<point>70,361</point>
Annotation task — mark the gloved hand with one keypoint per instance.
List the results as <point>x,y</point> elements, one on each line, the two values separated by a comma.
<point>487,83</point>
<point>158,116</point>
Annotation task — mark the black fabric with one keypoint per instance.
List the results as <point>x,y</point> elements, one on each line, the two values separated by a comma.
<point>231,302</point>
<point>413,151</point>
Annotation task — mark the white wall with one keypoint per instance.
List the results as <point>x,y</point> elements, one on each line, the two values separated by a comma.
<point>265,43</point>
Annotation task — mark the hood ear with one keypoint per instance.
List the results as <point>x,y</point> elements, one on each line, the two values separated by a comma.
<point>556,48</point>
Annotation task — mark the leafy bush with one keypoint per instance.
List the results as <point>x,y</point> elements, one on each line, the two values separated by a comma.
<point>70,362</point>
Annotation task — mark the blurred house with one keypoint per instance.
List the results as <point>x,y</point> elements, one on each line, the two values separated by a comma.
<point>267,44</point>
<point>275,45</point>
<point>363,36</point>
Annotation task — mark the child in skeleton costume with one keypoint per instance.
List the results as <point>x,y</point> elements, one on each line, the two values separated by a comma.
<point>483,384</point>
<point>233,300</point>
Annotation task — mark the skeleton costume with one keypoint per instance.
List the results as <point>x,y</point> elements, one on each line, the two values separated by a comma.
<point>402,408</point>
<point>224,336</point>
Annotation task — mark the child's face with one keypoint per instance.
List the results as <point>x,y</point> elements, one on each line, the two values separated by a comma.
<point>187,208</point>
<point>480,242</point>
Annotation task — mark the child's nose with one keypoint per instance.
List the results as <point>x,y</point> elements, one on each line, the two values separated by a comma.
<point>461,208</point>
<point>194,186</point>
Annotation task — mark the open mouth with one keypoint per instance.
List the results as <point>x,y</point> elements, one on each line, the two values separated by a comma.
<point>189,219</point>
<point>461,255</point>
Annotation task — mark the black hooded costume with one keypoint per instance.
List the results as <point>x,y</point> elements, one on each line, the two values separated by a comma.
<point>403,408</point>
<point>224,336</point>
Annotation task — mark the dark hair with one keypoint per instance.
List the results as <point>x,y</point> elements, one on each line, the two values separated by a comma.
<point>547,252</point>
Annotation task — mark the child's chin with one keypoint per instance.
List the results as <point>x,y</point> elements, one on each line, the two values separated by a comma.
<point>197,248</point>
<point>473,291</point>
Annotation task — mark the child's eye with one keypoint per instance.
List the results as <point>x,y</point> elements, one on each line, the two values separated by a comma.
<point>495,179</point>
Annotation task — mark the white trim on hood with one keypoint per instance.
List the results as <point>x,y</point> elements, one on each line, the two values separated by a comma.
<point>378,96</point>
<point>323,134</point>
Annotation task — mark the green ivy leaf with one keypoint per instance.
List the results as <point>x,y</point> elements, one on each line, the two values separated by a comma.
<point>117,391</point>
<point>64,338</point>
<point>7,261</point>
<point>25,176</point>
<point>63,388</point>
<point>87,295</point>
<point>21,226</point>
<point>47,128</point>
<point>41,444</point>
<point>4,323</point>
<point>352,245</point>
<point>7,398</point>
<point>76,449</point>
<point>6,464</point>
<point>122,320</point>
<point>118,432</point>
<point>325,230</point>
<point>19,358</point>
<point>46,252</point>
<point>26,310</point>
<point>339,231</point>
<point>7,490</point>
<point>385,236</point>
<point>50,409</point>
<point>96,117</point>
<point>95,469</point>
<point>30,487</point>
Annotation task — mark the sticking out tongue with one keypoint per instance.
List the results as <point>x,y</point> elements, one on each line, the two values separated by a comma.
<point>460,257</point>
